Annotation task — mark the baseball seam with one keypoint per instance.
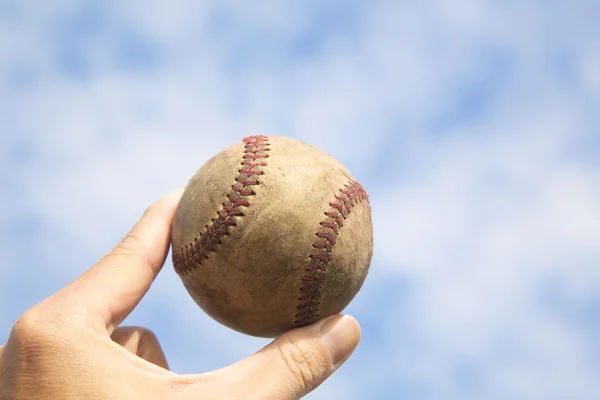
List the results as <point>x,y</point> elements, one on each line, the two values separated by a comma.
<point>312,282</point>
<point>191,256</point>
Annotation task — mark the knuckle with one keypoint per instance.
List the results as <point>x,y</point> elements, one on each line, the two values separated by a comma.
<point>149,335</point>
<point>36,327</point>
<point>131,247</point>
<point>305,366</point>
<point>132,244</point>
<point>146,336</point>
<point>24,326</point>
<point>31,322</point>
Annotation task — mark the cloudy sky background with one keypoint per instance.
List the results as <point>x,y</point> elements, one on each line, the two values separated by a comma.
<point>474,126</point>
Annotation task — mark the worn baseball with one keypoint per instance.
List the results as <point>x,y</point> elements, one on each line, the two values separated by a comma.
<point>272,234</point>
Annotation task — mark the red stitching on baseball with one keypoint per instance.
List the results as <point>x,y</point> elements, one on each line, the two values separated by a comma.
<point>189,257</point>
<point>310,291</point>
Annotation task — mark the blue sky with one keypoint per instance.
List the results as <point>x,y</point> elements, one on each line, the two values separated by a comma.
<point>474,126</point>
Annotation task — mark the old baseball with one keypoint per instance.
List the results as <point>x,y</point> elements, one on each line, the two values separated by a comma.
<point>272,234</point>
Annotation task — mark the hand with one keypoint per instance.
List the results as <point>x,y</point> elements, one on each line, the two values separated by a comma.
<point>70,346</point>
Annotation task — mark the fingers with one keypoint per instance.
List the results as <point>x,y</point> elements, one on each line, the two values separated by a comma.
<point>291,366</point>
<point>141,342</point>
<point>109,290</point>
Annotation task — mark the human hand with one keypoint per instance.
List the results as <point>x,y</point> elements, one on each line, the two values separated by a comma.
<point>70,346</point>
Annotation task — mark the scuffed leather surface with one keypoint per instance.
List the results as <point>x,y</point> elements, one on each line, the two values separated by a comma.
<point>251,281</point>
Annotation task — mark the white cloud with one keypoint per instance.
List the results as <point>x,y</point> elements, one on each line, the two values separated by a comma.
<point>478,213</point>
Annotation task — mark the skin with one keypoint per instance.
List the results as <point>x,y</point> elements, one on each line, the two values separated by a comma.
<point>70,346</point>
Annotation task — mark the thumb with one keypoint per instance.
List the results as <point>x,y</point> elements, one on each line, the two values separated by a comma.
<point>298,361</point>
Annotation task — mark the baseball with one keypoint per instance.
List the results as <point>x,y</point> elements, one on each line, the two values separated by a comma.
<point>272,234</point>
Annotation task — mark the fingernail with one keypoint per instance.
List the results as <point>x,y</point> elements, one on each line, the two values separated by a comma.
<point>342,334</point>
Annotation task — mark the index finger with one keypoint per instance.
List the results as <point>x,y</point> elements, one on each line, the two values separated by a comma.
<point>108,291</point>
